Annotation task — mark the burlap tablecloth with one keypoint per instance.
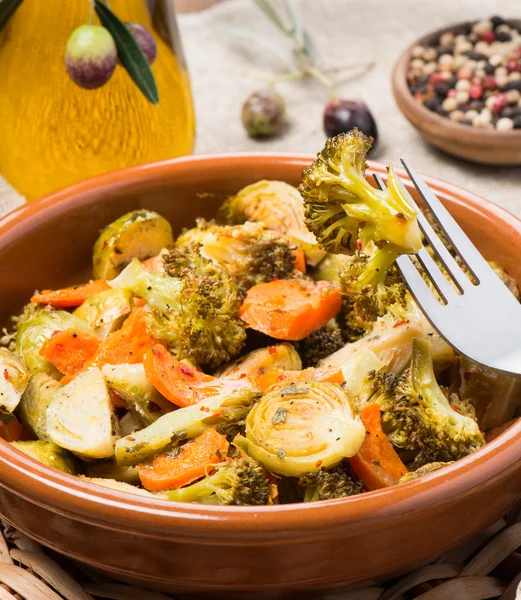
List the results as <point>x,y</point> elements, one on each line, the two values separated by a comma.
<point>344,32</point>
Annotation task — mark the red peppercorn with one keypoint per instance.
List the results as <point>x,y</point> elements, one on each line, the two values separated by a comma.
<point>487,36</point>
<point>451,93</point>
<point>489,82</point>
<point>500,103</point>
<point>436,78</point>
<point>464,73</point>
<point>517,53</point>
<point>513,65</point>
<point>475,92</point>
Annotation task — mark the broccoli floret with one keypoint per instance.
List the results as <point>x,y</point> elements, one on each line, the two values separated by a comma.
<point>328,484</point>
<point>321,343</point>
<point>240,482</point>
<point>344,211</point>
<point>195,306</point>
<point>250,253</point>
<point>417,415</point>
<point>370,287</point>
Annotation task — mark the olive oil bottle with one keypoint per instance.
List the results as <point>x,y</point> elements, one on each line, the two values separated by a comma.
<point>54,133</point>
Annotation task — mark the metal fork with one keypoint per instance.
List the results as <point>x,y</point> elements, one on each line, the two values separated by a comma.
<point>480,319</point>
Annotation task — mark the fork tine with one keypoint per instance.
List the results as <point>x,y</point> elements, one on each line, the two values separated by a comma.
<point>419,289</point>
<point>450,264</point>
<point>465,248</point>
<point>441,283</point>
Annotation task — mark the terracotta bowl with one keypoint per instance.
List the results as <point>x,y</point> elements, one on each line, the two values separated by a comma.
<point>265,551</point>
<point>486,146</point>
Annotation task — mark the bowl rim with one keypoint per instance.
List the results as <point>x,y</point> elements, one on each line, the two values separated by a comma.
<point>434,123</point>
<point>113,509</point>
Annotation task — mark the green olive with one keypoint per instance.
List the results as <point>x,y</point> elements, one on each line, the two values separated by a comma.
<point>139,234</point>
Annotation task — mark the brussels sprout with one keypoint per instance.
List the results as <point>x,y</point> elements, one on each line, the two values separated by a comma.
<point>141,397</point>
<point>138,234</point>
<point>120,486</point>
<point>253,364</point>
<point>105,311</point>
<point>108,469</point>
<point>81,417</point>
<point>329,269</point>
<point>33,333</point>
<point>14,377</point>
<point>280,207</point>
<point>34,403</point>
<point>49,454</point>
<point>299,428</point>
<point>221,411</point>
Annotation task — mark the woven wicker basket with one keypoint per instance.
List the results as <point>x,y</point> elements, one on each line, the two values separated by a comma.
<point>487,566</point>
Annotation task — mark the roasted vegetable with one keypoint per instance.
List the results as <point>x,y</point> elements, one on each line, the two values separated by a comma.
<point>290,309</point>
<point>33,333</point>
<point>328,484</point>
<point>14,377</point>
<point>278,206</point>
<point>34,403</point>
<point>320,344</point>
<point>130,383</point>
<point>330,268</point>
<point>49,454</point>
<point>195,306</point>
<point>241,481</point>
<point>261,361</point>
<point>120,486</point>
<point>418,416</point>
<point>181,466</point>
<point>108,469</point>
<point>138,234</point>
<point>424,470</point>
<point>370,288</point>
<point>494,395</point>
<point>72,296</point>
<point>81,418</point>
<point>343,209</point>
<point>377,463</point>
<point>105,311</point>
<point>250,253</point>
<point>226,412</point>
<point>70,350</point>
<point>298,428</point>
<point>389,347</point>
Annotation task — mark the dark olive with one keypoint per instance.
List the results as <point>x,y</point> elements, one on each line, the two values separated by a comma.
<point>341,115</point>
<point>144,40</point>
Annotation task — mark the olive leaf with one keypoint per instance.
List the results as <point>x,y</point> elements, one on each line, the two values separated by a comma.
<point>129,52</point>
<point>7,10</point>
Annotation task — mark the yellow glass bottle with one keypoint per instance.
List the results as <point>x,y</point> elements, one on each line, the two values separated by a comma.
<point>54,133</point>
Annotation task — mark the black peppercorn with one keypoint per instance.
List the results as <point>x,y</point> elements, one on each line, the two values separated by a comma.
<point>490,69</point>
<point>503,36</point>
<point>517,123</point>
<point>497,21</point>
<point>432,104</point>
<point>442,88</point>
<point>512,85</point>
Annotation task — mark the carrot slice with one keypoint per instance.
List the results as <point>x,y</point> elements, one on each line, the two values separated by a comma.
<point>71,296</point>
<point>128,344</point>
<point>300,259</point>
<point>278,376</point>
<point>192,461</point>
<point>11,430</point>
<point>154,264</point>
<point>178,382</point>
<point>290,309</point>
<point>70,350</point>
<point>376,464</point>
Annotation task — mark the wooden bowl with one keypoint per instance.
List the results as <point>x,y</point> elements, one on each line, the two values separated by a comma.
<point>485,146</point>
<point>267,551</point>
